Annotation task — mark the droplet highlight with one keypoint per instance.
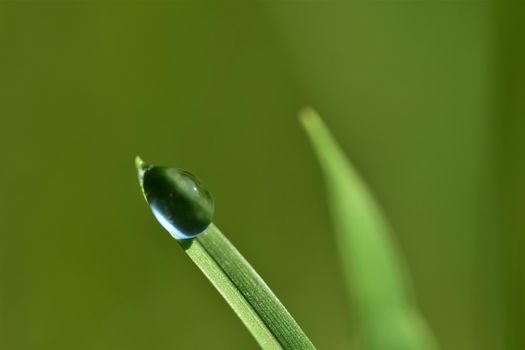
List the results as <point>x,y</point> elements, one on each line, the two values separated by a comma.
<point>177,199</point>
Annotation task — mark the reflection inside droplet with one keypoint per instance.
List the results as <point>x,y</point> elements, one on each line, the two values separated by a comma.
<point>177,199</point>
<point>172,229</point>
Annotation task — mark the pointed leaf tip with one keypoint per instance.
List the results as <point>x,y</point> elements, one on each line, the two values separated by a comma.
<point>308,115</point>
<point>141,169</point>
<point>139,163</point>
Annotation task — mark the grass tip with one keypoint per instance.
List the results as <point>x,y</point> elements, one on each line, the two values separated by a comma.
<point>139,163</point>
<point>309,118</point>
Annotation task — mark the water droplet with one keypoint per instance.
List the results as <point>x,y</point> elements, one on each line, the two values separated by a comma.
<point>177,198</point>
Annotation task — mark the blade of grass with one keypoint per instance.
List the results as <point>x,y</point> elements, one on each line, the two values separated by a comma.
<point>245,291</point>
<point>240,285</point>
<point>372,266</point>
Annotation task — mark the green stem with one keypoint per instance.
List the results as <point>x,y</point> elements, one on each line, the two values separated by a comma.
<point>245,291</point>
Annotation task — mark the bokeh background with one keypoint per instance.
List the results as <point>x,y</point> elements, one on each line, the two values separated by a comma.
<point>426,97</point>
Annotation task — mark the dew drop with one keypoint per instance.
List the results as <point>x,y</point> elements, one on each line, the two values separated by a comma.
<point>177,199</point>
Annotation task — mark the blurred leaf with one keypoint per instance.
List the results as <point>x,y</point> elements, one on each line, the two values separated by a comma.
<point>372,265</point>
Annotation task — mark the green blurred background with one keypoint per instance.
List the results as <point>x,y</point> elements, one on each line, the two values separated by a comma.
<point>426,97</point>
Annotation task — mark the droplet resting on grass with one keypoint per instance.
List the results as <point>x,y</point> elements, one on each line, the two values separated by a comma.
<point>185,208</point>
<point>177,198</point>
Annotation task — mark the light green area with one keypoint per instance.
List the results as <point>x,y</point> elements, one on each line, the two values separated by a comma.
<point>373,267</point>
